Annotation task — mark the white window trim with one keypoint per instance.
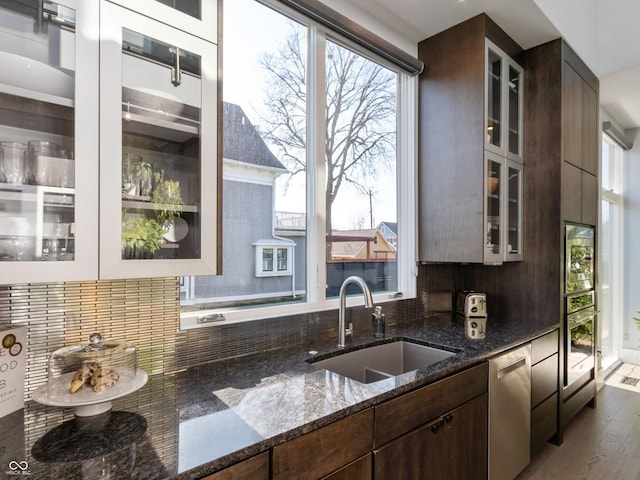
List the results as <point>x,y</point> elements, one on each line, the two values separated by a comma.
<point>406,188</point>
<point>274,245</point>
<point>615,196</point>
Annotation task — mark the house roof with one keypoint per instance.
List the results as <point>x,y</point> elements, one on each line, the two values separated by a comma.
<point>352,243</point>
<point>242,142</point>
<point>393,226</point>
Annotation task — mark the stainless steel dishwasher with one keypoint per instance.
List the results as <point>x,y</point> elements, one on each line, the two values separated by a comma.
<point>509,413</point>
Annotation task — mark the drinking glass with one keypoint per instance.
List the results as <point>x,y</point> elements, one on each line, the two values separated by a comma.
<point>131,173</point>
<point>12,162</point>
<point>40,172</point>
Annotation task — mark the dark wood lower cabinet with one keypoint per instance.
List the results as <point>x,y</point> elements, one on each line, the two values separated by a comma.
<point>326,450</point>
<point>544,390</point>
<point>435,432</point>
<point>451,447</point>
<point>361,469</point>
<point>255,468</point>
<point>544,423</point>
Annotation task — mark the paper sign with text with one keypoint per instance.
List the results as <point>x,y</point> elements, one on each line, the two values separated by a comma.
<point>13,345</point>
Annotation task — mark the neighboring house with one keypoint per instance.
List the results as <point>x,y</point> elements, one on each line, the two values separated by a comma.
<point>360,245</point>
<point>264,249</point>
<point>257,264</point>
<point>389,231</point>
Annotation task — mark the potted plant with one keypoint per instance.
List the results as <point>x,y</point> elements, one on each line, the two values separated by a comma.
<point>168,197</point>
<point>145,174</point>
<point>142,237</point>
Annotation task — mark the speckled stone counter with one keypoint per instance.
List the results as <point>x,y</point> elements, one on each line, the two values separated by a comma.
<point>198,421</point>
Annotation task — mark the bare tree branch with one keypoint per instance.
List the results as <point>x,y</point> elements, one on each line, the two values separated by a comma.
<point>359,112</point>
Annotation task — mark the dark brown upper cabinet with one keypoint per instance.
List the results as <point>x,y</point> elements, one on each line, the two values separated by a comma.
<point>471,144</point>
<point>562,136</point>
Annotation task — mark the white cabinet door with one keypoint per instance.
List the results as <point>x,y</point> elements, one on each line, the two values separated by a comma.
<point>48,141</point>
<point>197,17</point>
<point>158,169</point>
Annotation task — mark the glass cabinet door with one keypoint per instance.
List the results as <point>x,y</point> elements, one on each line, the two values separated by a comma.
<point>158,169</point>
<point>494,101</point>
<point>503,210</point>
<point>197,17</point>
<point>494,250</point>
<point>503,104</point>
<point>514,212</point>
<point>48,141</point>
<point>515,99</point>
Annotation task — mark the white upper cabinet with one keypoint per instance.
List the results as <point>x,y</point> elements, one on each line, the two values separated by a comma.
<point>108,141</point>
<point>48,141</point>
<point>158,171</point>
<point>197,17</point>
<point>503,104</point>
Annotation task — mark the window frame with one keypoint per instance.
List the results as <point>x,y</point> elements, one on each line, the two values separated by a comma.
<point>406,187</point>
<point>275,270</point>
<point>615,198</point>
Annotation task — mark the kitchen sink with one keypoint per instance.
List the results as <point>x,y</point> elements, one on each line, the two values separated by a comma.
<point>387,360</point>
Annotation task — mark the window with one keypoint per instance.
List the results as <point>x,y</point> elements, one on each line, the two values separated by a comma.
<point>273,259</point>
<point>611,289</point>
<point>319,170</point>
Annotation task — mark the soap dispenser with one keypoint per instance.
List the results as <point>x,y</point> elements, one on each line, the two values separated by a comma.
<point>377,323</point>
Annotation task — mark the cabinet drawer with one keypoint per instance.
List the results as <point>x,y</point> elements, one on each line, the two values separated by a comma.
<point>544,347</point>
<point>544,379</point>
<point>256,468</point>
<point>402,414</point>
<point>544,423</point>
<point>361,469</point>
<point>325,450</point>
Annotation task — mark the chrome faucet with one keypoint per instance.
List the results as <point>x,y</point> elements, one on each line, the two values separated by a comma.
<point>368,302</point>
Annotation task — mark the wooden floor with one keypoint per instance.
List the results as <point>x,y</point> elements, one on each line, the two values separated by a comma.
<point>601,443</point>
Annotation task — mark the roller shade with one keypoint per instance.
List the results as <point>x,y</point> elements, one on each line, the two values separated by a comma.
<point>349,29</point>
<point>617,135</point>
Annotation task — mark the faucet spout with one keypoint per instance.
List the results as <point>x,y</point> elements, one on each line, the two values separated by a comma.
<point>343,331</point>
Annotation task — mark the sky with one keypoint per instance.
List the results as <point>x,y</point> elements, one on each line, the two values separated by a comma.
<point>244,84</point>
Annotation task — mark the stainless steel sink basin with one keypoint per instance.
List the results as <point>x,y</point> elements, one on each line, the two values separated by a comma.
<point>378,362</point>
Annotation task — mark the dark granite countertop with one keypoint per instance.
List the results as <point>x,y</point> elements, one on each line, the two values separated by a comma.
<point>195,422</point>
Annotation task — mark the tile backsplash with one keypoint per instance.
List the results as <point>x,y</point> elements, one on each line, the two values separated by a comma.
<point>146,313</point>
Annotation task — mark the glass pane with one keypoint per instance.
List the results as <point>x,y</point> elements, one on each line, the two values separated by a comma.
<point>494,180</point>
<point>514,211</point>
<point>360,190</point>
<point>282,259</point>
<point>267,260</point>
<point>494,99</point>
<point>264,171</point>
<point>609,275</point>
<point>160,150</point>
<point>514,111</point>
<point>190,7</point>
<point>37,138</point>
<point>607,162</point>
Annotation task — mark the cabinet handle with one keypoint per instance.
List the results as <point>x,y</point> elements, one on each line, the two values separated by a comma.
<point>448,418</point>
<point>176,74</point>
<point>439,424</point>
<point>510,368</point>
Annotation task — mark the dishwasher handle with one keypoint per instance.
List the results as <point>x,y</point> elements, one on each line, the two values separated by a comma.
<point>511,367</point>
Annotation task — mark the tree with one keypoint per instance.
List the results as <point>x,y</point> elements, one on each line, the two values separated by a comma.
<point>360,113</point>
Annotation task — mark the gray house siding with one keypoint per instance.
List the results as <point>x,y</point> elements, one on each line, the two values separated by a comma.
<point>246,218</point>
